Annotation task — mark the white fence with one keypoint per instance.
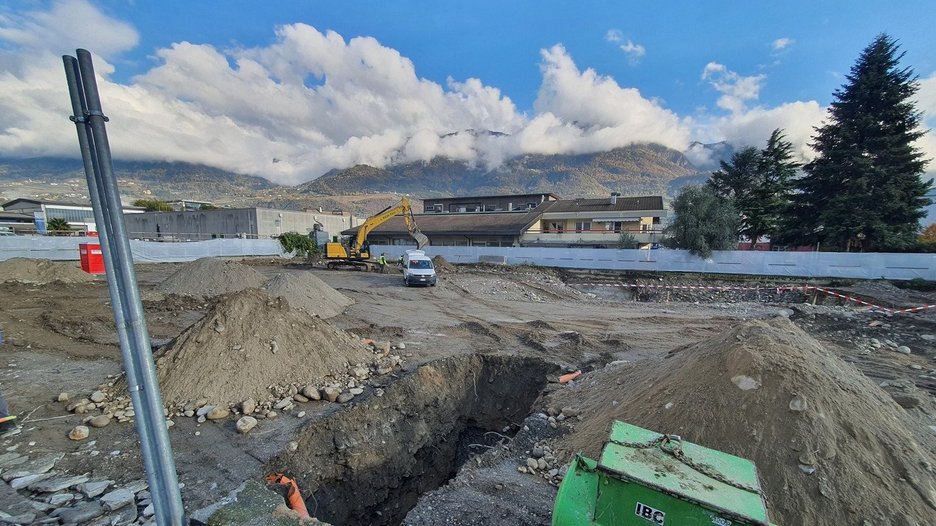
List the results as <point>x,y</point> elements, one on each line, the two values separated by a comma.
<point>799,264</point>
<point>66,248</point>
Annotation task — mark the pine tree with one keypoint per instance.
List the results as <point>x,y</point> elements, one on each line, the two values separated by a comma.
<point>863,191</point>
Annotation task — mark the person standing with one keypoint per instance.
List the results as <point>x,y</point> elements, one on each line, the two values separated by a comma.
<point>382,261</point>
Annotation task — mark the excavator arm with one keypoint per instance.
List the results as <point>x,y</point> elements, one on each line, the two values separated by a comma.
<point>383,216</point>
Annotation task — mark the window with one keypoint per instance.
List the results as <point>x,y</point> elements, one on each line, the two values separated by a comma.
<point>558,227</point>
<point>581,226</point>
<point>644,227</point>
<point>617,226</point>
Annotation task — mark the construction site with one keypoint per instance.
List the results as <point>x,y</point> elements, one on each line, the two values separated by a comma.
<point>464,403</point>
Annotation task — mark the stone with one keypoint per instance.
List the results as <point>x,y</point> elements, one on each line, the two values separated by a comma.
<point>300,398</point>
<point>26,480</point>
<point>94,488</point>
<point>245,424</point>
<point>248,406</point>
<point>798,404</point>
<point>356,391</point>
<point>71,407</point>
<point>361,373</point>
<point>292,446</point>
<point>62,397</point>
<point>331,394</point>
<point>537,452</point>
<point>79,433</point>
<point>271,414</point>
<point>189,413</point>
<point>117,499</point>
<point>916,367</point>
<point>282,404</point>
<point>532,463</point>
<point>874,342</point>
<point>300,414</point>
<point>61,498</point>
<point>201,402</point>
<point>906,401</point>
<point>100,421</point>
<point>204,410</point>
<point>149,510</point>
<point>903,349</point>
<point>23,518</point>
<point>344,398</point>
<point>311,392</point>
<point>553,472</point>
<point>36,466</point>
<point>79,514</point>
<point>98,397</point>
<point>541,463</point>
<point>218,413</point>
<point>201,419</point>
<point>745,383</point>
<point>139,485</point>
<point>51,485</point>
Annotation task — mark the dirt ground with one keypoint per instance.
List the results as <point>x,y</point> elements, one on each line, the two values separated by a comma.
<point>60,337</point>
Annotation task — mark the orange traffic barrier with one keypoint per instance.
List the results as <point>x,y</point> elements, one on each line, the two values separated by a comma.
<point>566,378</point>
<point>293,497</point>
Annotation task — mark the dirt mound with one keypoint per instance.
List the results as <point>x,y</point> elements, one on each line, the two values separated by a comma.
<point>42,271</point>
<point>441,265</point>
<point>309,293</point>
<point>211,277</point>
<point>248,342</point>
<point>850,457</point>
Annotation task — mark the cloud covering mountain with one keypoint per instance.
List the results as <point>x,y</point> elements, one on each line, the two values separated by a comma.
<point>312,100</point>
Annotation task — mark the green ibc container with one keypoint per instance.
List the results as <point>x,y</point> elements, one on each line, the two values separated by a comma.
<point>644,478</point>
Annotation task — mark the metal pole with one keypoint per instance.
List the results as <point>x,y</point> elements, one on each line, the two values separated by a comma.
<point>128,309</point>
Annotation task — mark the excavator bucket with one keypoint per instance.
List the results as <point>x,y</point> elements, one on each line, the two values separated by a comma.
<point>422,240</point>
<point>644,478</point>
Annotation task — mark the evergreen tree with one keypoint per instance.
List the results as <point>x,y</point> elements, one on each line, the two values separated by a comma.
<point>704,221</point>
<point>760,184</point>
<point>863,191</point>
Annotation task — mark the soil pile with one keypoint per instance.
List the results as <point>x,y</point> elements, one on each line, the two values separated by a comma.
<point>830,445</point>
<point>207,277</point>
<point>441,265</point>
<point>248,343</point>
<point>309,293</point>
<point>42,271</point>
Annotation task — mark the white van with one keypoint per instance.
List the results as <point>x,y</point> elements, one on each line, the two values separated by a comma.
<point>418,269</point>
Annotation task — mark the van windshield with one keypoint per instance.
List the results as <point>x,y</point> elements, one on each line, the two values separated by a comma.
<point>422,264</point>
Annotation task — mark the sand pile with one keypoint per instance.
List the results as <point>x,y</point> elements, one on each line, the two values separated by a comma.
<point>441,265</point>
<point>248,342</point>
<point>42,271</point>
<point>207,277</point>
<point>309,293</point>
<point>830,445</point>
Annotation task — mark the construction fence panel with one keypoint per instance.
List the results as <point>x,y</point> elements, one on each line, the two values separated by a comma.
<point>66,248</point>
<point>791,264</point>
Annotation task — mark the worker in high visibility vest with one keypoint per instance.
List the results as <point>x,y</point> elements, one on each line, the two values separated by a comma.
<point>382,261</point>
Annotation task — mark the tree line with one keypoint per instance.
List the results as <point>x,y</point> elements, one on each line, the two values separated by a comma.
<point>863,191</point>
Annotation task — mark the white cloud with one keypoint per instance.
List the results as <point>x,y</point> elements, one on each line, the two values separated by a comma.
<point>736,90</point>
<point>782,43</point>
<point>68,24</point>
<point>634,52</point>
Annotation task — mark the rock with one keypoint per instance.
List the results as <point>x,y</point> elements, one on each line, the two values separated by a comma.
<point>117,499</point>
<point>79,433</point>
<point>300,414</point>
<point>537,452</point>
<point>201,402</point>
<point>311,392</point>
<point>541,463</point>
<point>356,391</point>
<point>798,404</point>
<point>100,421</point>
<point>245,424</point>
<point>361,373</point>
<point>190,413</point>
<point>553,472</point>
<point>532,463</point>
<point>149,510</point>
<point>62,397</point>
<point>916,367</point>
<point>61,498</point>
<point>401,346</point>
<point>248,406</point>
<point>8,460</point>
<point>331,394</point>
<point>76,404</point>
<point>98,397</point>
<point>36,466</point>
<point>300,398</point>
<point>169,424</point>
<point>218,413</point>
<point>79,514</point>
<point>94,488</point>
<point>204,410</point>
<point>23,518</point>
<point>26,480</point>
<point>51,485</point>
<point>745,383</point>
<point>270,414</point>
<point>344,398</point>
<point>906,401</point>
<point>928,337</point>
<point>201,419</point>
<point>282,404</point>
<point>786,313</point>
<point>874,342</point>
<point>903,349</point>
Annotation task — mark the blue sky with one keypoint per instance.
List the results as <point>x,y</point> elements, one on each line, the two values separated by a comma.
<point>238,83</point>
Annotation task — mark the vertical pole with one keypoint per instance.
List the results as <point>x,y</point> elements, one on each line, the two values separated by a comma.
<point>125,295</point>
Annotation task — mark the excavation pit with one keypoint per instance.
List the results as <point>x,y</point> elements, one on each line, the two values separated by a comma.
<point>369,464</point>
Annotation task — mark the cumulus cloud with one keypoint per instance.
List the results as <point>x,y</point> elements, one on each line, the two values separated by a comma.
<point>634,52</point>
<point>736,90</point>
<point>782,43</point>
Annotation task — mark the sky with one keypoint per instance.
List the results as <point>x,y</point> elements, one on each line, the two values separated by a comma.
<point>291,89</point>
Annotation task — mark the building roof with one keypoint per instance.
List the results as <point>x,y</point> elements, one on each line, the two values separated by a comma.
<point>461,223</point>
<point>623,204</point>
<point>15,217</point>
<point>502,196</point>
<point>42,202</point>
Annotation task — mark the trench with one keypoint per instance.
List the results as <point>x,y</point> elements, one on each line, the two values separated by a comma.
<point>370,463</point>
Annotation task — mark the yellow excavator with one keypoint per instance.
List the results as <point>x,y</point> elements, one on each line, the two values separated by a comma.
<point>356,253</point>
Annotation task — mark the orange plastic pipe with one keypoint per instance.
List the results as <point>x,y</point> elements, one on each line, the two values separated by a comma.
<point>293,497</point>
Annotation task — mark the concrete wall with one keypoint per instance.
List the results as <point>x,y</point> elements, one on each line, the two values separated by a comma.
<point>271,222</point>
<point>254,223</point>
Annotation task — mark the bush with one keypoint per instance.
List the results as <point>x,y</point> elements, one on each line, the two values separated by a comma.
<point>299,245</point>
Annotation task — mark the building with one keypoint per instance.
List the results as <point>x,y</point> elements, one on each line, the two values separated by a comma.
<point>551,223</point>
<point>251,223</point>
<point>490,203</point>
<point>16,223</point>
<point>78,215</point>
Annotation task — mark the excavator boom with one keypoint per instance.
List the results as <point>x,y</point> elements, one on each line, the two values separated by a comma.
<point>357,252</point>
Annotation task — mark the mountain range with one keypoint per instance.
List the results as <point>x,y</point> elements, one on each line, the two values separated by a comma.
<point>646,169</point>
